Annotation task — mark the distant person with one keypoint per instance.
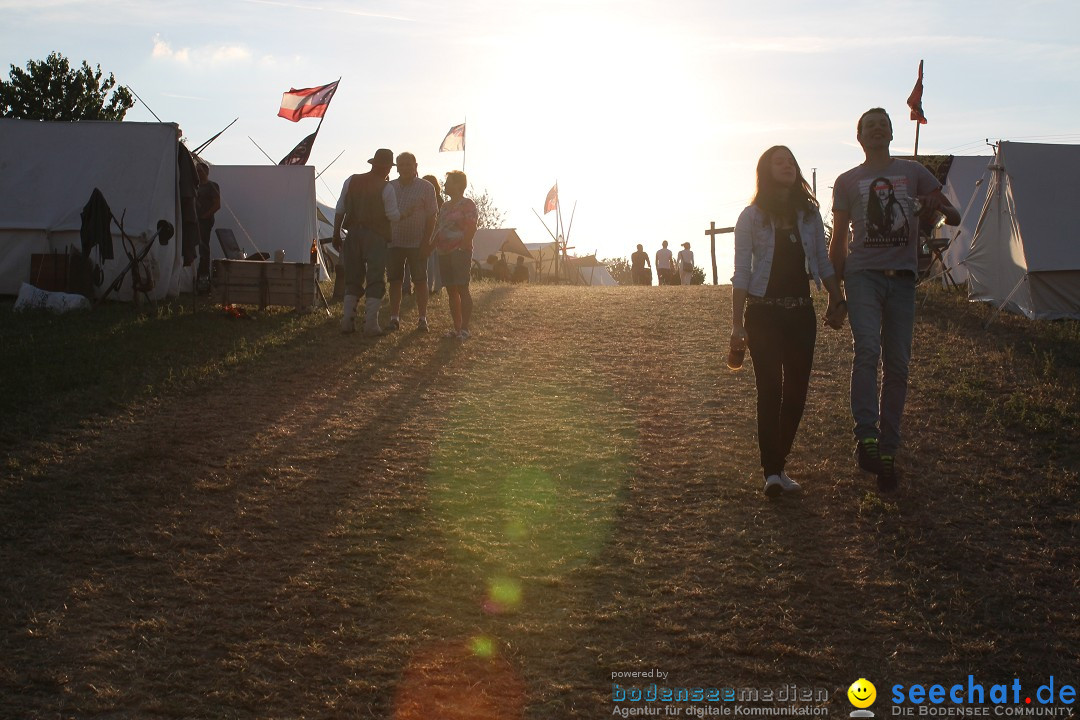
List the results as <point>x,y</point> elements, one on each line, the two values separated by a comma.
<point>366,209</point>
<point>521,273</point>
<point>686,265</point>
<point>453,243</point>
<point>500,269</point>
<point>777,237</point>
<point>434,281</point>
<point>665,265</point>
<point>207,203</point>
<point>638,260</point>
<point>410,240</point>
<point>878,265</point>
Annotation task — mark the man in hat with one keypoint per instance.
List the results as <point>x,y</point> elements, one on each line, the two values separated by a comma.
<point>366,209</point>
<point>686,265</point>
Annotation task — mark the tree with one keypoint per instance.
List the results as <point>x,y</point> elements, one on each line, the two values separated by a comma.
<point>620,270</point>
<point>488,216</point>
<point>50,90</point>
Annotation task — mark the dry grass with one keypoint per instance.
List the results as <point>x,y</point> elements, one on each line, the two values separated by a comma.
<point>335,527</point>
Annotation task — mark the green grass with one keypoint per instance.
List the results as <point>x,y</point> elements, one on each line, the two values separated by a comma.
<point>219,518</point>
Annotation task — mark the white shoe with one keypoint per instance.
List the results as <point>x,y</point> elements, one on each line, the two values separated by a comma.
<point>773,486</point>
<point>789,484</point>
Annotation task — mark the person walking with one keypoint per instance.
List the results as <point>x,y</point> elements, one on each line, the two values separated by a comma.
<point>665,265</point>
<point>875,252</point>
<point>366,209</point>
<point>686,265</point>
<point>778,236</point>
<point>638,260</point>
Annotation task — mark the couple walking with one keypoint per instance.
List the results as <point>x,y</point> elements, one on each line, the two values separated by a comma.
<point>780,246</point>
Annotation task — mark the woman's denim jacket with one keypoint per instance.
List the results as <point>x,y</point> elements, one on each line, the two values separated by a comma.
<point>755,241</point>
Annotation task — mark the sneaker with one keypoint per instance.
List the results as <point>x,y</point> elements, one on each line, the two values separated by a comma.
<point>452,334</point>
<point>394,324</point>
<point>422,325</point>
<point>464,334</point>
<point>789,484</point>
<point>888,480</point>
<point>348,325</point>
<point>869,455</point>
<point>774,486</point>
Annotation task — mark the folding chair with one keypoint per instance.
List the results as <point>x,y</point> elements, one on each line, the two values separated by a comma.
<point>229,247</point>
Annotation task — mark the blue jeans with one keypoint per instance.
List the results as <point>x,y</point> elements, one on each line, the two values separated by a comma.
<point>364,254</point>
<point>881,311</point>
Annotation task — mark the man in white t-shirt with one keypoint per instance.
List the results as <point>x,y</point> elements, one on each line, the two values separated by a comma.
<point>664,266</point>
<point>686,264</point>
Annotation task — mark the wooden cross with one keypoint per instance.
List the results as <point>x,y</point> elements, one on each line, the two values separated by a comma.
<point>712,232</point>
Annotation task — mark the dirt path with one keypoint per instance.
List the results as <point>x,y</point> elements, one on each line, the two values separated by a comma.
<point>358,528</point>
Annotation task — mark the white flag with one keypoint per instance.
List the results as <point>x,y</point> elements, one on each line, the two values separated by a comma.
<point>454,140</point>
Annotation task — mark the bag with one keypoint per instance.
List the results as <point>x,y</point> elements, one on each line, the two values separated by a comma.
<point>686,267</point>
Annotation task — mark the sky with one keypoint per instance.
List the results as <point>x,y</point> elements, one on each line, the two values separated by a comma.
<point>650,115</point>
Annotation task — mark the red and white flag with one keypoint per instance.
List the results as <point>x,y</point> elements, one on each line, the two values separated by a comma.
<point>552,199</point>
<point>454,140</point>
<point>914,100</point>
<point>309,102</point>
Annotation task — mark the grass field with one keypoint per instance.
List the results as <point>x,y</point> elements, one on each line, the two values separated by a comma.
<point>210,517</point>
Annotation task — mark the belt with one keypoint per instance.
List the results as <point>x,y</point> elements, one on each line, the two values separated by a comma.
<point>784,302</point>
<point>898,273</point>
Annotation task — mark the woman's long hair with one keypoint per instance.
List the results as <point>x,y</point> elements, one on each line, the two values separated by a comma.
<point>768,196</point>
<point>438,188</point>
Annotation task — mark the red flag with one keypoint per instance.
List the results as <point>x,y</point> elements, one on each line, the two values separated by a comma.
<point>552,199</point>
<point>914,100</point>
<point>300,153</point>
<point>454,140</point>
<point>309,102</point>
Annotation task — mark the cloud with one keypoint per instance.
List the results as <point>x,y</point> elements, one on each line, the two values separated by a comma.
<point>319,8</point>
<point>162,49</point>
<point>207,55</point>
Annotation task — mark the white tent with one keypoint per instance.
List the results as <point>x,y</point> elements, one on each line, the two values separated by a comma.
<point>48,171</point>
<point>1025,254</point>
<point>582,270</point>
<point>965,187</point>
<point>268,208</point>
<point>590,271</point>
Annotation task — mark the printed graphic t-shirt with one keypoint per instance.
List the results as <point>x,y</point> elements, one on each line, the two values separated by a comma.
<point>885,229</point>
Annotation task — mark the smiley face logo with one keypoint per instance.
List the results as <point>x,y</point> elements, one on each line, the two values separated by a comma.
<point>862,693</point>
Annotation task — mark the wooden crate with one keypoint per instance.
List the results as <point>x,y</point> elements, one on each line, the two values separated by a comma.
<point>256,282</point>
<point>61,272</point>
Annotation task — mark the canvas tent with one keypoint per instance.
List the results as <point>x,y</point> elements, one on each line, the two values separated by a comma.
<point>490,241</point>
<point>965,187</point>
<point>590,271</point>
<point>48,171</point>
<point>1025,253</point>
<point>580,270</point>
<point>268,208</point>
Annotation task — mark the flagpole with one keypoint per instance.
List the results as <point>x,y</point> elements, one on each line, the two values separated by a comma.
<point>329,164</point>
<point>463,143</point>
<point>261,150</point>
<point>206,144</point>
<point>917,124</point>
